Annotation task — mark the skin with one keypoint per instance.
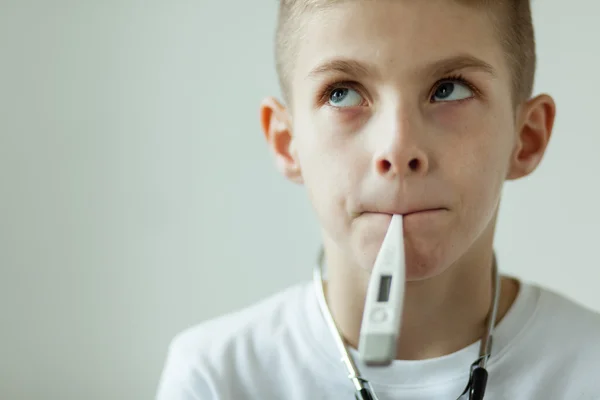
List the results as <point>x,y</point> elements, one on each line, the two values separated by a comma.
<point>398,134</point>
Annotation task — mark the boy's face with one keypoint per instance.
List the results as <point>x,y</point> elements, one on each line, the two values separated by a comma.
<point>405,107</point>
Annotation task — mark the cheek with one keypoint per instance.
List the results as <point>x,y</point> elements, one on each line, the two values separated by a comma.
<point>477,148</point>
<point>323,161</point>
<point>331,150</point>
<point>334,163</point>
<point>477,139</point>
<point>481,179</point>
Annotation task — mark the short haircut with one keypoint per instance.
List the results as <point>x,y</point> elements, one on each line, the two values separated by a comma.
<point>511,18</point>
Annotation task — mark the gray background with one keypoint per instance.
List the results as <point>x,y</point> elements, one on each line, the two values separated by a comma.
<point>137,196</point>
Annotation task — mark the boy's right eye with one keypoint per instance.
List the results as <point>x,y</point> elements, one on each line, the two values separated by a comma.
<point>344,97</point>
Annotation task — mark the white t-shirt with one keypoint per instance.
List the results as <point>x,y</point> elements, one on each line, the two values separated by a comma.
<point>545,348</point>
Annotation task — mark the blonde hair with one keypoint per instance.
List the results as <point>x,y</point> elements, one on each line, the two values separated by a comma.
<point>511,18</point>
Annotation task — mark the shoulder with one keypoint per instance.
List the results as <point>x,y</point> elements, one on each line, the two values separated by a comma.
<point>211,337</point>
<point>225,347</point>
<point>566,316</point>
<point>564,324</point>
<point>562,346</point>
<point>565,334</point>
<point>549,327</point>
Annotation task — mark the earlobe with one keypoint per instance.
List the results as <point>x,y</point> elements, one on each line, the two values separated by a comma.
<point>277,129</point>
<point>534,130</point>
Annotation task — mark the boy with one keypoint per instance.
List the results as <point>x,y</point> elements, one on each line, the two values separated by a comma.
<point>420,108</point>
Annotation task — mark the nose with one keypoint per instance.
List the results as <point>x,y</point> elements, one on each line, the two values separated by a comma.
<point>402,151</point>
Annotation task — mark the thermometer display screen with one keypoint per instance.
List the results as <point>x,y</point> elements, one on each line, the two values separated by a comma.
<point>384,288</point>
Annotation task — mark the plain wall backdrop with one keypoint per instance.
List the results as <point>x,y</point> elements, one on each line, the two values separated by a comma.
<point>137,195</point>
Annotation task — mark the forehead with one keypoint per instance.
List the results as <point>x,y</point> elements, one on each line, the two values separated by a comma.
<point>401,37</point>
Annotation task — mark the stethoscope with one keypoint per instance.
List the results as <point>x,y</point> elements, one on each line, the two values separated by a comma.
<point>475,388</point>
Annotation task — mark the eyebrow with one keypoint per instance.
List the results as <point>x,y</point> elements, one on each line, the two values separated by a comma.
<point>442,67</point>
<point>344,66</point>
<point>463,61</point>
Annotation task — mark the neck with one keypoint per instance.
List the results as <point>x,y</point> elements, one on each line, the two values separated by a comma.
<point>441,315</point>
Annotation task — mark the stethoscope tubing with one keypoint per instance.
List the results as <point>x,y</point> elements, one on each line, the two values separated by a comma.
<point>478,377</point>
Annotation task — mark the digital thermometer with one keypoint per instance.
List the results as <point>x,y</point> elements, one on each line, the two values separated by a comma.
<point>382,314</point>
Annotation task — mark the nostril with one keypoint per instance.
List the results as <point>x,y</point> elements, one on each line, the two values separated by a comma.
<point>413,164</point>
<point>386,165</point>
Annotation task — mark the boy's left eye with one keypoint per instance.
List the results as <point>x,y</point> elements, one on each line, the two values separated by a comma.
<point>451,91</point>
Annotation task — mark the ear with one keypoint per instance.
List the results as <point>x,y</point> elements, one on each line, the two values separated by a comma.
<point>277,128</point>
<point>534,128</point>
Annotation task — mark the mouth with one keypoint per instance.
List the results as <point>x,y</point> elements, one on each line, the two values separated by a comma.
<point>424,211</point>
<point>405,213</point>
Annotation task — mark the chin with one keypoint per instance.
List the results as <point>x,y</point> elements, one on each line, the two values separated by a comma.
<point>423,267</point>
